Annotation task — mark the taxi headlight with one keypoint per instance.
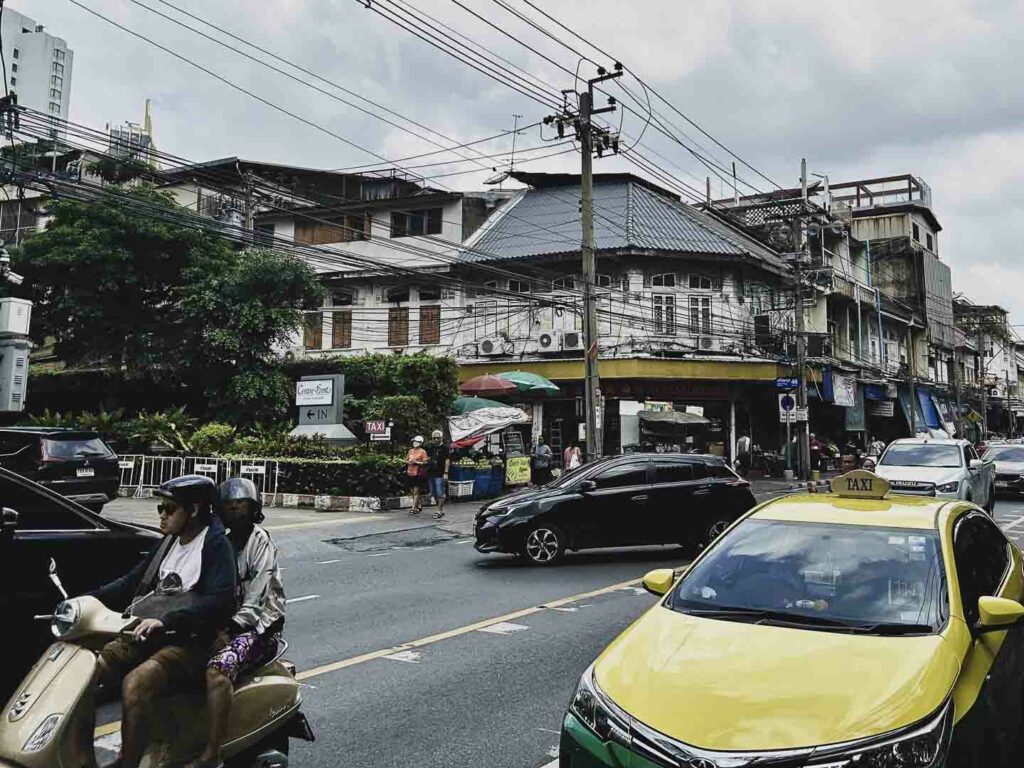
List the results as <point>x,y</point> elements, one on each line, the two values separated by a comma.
<point>65,617</point>
<point>949,487</point>
<point>598,713</point>
<point>922,746</point>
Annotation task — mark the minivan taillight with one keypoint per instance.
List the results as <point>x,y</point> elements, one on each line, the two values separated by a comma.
<point>44,455</point>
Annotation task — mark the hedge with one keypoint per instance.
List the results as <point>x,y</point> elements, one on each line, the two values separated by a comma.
<point>370,476</point>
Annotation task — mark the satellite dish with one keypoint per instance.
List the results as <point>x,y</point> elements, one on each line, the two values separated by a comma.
<point>497,178</point>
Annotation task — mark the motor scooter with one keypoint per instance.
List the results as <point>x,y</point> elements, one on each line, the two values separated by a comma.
<point>49,722</point>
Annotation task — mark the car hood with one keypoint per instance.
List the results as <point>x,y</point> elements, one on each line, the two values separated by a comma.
<point>1010,467</point>
<point>922,474</point>
<point>725,685</point>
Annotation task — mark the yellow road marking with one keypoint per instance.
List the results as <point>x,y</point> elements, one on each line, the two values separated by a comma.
<point>109,728</point>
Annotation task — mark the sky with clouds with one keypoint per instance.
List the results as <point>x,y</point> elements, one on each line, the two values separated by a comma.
<point>860,89</point>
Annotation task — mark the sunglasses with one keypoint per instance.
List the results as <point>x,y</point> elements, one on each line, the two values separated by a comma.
<point>166,508</point>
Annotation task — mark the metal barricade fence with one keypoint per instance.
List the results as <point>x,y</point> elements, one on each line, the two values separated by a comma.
<point>146,473</point>
<point>157,470</point>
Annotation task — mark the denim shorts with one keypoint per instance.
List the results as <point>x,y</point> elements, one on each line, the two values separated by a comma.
<point>437,487</point>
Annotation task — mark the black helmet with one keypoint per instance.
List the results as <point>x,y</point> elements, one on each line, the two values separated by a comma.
<point>242,489</point>
<point>188,490</point>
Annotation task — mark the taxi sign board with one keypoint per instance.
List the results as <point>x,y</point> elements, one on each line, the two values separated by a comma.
<point>860,484</point>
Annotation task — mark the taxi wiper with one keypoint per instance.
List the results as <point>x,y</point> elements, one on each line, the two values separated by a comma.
<point>896,628</point>
<point>783,618</point>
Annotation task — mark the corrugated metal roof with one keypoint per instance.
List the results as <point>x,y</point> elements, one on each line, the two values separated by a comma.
<point>627,215</point>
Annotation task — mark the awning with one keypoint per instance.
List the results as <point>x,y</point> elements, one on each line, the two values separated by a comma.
<point>931,413</point>
<point>482,422</point>
<point>672,417</point>
<point>874,392</point>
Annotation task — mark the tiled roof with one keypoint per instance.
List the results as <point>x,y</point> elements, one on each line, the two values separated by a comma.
<point>628,215</point>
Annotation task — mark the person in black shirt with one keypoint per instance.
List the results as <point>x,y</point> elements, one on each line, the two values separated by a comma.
<point>438,454</point>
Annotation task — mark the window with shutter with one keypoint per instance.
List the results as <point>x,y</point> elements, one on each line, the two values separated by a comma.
<point>313,336</point>
<point>341,329</point>
<point>700,315</point>
<point>664,314</point>
<point>398,327</point>
<point>430,325</point>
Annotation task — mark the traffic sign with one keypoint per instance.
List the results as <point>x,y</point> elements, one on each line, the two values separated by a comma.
<point>786,402</point>
<point>787,382</point>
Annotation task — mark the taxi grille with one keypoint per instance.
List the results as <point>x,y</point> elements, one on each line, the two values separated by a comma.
<point>914,487</point>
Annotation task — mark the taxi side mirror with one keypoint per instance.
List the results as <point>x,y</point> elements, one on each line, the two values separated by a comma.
<point>660,581</point>
<point>998,613</point>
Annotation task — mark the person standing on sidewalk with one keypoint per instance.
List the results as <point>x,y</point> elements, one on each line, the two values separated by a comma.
<point>416,471</point>
<point>571,458</point>
<point>743,454</point>
<point>542,462</point>
<point>438,454</point>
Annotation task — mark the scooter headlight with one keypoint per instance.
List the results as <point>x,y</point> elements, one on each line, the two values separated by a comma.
<point>65,617</point>
<point>42,735</point>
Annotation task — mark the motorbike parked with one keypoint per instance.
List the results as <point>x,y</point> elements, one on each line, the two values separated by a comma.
<point>49,721</point>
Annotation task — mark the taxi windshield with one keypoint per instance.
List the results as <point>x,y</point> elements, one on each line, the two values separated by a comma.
<point>820,576</point>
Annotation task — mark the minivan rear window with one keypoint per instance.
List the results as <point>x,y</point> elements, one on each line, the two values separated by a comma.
<point>75,448</point>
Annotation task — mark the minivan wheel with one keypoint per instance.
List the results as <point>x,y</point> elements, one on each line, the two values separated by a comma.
<point>544,545</point>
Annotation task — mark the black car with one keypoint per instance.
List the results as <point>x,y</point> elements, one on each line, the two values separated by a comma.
<point>76,464</point>
<point>88,550</point>
<point>683,499</point>
<point>1009,459</point>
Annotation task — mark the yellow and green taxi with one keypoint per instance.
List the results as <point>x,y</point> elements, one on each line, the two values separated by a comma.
<point>851,629</point>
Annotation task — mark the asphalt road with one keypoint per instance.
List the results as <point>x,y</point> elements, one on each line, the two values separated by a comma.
<point>415,650</point>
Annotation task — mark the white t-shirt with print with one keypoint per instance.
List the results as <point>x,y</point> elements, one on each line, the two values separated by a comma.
<point>180,569</point>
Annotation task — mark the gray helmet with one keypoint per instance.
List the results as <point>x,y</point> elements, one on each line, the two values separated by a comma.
<point>188,490</point>
<point>242,489</point>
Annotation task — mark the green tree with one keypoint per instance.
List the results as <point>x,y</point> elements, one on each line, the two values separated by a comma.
<point>107,278</point>
<point>243,315</point>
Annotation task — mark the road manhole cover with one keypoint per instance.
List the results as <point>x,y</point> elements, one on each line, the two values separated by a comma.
<point>408,539</point>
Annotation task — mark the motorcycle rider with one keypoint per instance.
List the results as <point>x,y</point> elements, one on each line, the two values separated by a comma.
<point>255,630</point>
<point>184,592</point>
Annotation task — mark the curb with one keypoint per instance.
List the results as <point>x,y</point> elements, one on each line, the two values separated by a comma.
<point>321,503</point>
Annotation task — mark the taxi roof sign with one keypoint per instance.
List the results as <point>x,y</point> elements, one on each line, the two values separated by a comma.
<point>860,484</point>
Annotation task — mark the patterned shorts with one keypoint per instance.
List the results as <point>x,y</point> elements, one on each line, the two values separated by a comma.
<point>243,651</point>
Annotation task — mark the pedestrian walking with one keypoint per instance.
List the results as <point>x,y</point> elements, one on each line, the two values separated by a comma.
<point>416,472</point>
<point>438,456</point>
<point>816,451</point>
<point>571,458</point>
<point>541,462</point>
<point>877,447</point>
<point>743,453</point>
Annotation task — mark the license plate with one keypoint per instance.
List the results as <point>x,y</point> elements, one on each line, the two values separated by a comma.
<point>1002,484</point>
<point>85,472</point>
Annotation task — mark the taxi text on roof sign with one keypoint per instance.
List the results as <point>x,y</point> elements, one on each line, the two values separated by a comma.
<point>860,484</point>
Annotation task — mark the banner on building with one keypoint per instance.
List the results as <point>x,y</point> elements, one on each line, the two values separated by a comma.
<point>886,408</point>
<point>844,390</point>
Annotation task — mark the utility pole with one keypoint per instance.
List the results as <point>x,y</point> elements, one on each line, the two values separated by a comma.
<point>803,428</point>
<point>984,375</point>
<point>593,139</point>
<point>911,382</point>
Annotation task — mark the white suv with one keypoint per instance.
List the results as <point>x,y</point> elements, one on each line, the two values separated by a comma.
<point>944,468</point>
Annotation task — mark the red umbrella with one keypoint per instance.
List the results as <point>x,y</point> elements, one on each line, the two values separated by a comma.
<point>487,385</point>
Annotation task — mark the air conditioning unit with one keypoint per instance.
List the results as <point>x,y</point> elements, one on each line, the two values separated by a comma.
<point>548,341</point>
<point>492,347</point>
<point>572,340</point>
<point>294,353</point>
<point>708,344</point>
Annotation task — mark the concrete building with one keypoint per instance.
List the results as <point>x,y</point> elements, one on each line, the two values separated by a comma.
<point>39,65</point>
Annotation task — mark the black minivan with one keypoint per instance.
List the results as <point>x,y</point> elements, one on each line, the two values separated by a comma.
<point>75,463</point>
<point>638,499</point>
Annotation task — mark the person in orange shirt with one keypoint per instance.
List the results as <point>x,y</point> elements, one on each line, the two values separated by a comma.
<point>416,470</point>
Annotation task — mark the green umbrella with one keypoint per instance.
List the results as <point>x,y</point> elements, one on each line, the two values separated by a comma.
<point>529,382</point>
<point>464,405</point>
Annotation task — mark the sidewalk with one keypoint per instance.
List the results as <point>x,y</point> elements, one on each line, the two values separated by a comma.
<point>763,486</point>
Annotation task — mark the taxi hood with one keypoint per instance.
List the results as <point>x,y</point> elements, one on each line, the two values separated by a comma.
<point>726,685</point>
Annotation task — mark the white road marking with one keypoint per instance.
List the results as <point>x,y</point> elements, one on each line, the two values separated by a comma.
<point>302,599</point>
<point>504,628</point>
<point>553,752</point>
<point>635,590</point>
<point>327,562</point>
<point>464,541</point>
<point>418,549</point>
<point>549,730</point>
<point>409,657</point>
<point>380,554</point>
<point>1014,524</point>
<point>111,742</point>
<point>552,764</point>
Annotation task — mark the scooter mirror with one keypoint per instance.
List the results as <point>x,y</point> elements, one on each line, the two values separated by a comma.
<point>56,579</point>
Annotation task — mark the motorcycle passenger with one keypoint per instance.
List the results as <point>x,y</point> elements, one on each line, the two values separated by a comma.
<point>184,592</point>
<point>255,630</point>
